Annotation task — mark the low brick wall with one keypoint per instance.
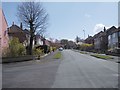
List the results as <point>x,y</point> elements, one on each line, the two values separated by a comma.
<point>17,59</point>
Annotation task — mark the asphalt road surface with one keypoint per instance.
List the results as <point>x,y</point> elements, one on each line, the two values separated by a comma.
<point>73,70</point>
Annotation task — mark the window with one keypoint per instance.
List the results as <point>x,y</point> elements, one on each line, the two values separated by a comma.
<point>101,38</point>
<point>116,35</point>
<point>113,35</point>
<point>109,37</point>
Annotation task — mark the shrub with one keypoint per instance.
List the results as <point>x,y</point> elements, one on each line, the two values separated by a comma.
<point>21,50</point>
<point>53,48</point>
<point>37,51</point>
<point>15,48</point>
<point>86,47</point>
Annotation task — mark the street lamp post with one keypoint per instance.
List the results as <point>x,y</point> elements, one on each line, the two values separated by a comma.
<point>84,33</point>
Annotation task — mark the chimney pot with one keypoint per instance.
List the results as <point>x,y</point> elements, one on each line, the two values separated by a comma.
<point>13,23</point>
<point>104,29</point>
<point>21,25</point>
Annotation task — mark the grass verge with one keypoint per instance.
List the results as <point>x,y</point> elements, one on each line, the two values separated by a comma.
<point>83,52</point>
<point>101,56</point>
<point>57,55</point>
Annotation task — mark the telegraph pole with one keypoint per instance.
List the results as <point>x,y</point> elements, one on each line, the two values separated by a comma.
<point>84,33</point>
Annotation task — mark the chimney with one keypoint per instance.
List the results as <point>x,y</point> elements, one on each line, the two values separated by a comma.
<point>104,29</point>
<point>21,25</point>
<point>13,23</point>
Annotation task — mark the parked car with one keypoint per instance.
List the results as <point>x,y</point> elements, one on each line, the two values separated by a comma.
<point>60,49</point>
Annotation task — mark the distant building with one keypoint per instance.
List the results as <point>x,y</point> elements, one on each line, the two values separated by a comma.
<point>71,45</point>
<point>64,42</point>
<point>47,42</point>
<point>89,40</point>
<point>38,40</point>
<point>3,32</point>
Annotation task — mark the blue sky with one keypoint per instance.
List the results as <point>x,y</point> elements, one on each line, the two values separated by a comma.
<point>68,20</point>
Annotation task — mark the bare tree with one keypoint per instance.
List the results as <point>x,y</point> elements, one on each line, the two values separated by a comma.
<point>34,17</point>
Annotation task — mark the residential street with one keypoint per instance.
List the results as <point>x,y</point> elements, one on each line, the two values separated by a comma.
<point>73,70</point>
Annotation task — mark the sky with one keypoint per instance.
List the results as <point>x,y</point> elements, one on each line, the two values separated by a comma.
<point>68,19</point>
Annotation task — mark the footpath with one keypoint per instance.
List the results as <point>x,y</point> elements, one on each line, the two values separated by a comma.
<point>114,58</point>
<point>24,58</point>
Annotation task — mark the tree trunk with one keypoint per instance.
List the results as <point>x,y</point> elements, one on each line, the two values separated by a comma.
<point>31,39</point>
<point>31,45</point>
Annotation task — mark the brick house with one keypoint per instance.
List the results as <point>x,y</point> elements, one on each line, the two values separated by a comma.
<point>16,31</point>
<point>101,41</point>
<point>114,40</point>
<point>108,41</point>
<point>89,40</point>
<point>38,40</point>
<point>27,34</point>
<point>97,41</point>
<point>3,32</point>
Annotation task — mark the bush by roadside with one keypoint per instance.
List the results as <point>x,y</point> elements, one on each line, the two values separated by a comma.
<point>38,52</point>
<point>86,47</point>
<point>15,49</point>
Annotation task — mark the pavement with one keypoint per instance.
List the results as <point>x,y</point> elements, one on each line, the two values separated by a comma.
<point>115,58</point>
<point>73,70</point>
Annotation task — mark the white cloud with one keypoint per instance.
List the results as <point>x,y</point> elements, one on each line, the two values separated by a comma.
<point>71,39</point>
<point>100,27</point>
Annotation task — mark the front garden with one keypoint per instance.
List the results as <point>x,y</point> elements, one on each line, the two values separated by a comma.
<point>18,52</point>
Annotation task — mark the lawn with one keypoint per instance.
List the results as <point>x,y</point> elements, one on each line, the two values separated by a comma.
<point>57,55</point>
<point>102,56</point>
<point>83,52</point>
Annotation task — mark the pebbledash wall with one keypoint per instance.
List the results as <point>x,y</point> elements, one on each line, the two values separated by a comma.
<point>3,32</point>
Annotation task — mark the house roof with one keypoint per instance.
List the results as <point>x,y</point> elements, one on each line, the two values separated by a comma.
<point>26,31</point>
<point>47,42</point>
<point>98,34</point>
<point>16,31</point>
<point>111,30</point>
<point>118,28</point>
<point>89,39</point>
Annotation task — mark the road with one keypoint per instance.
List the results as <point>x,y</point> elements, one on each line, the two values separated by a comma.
<point>73,70</point>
